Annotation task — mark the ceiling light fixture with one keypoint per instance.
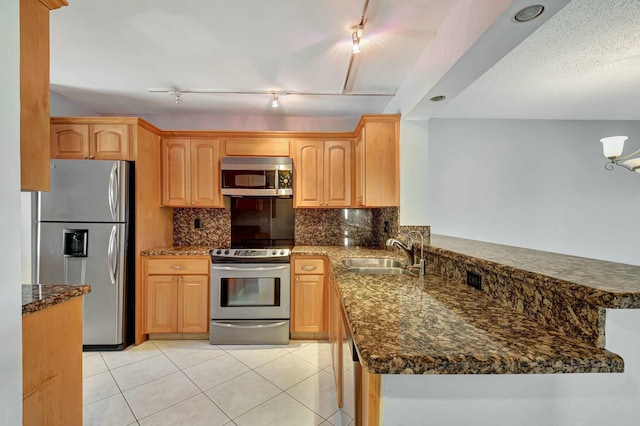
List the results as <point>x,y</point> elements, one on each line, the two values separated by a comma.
<point>178,96</point>
<point>274,103</point>
<point>356,36</point>
<point>612,147</point>
<point>529,13</point>
<point>438,98</point>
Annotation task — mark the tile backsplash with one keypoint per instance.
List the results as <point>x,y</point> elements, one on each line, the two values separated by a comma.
<point>357,227</point>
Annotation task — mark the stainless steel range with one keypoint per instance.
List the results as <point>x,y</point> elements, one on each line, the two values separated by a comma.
<point>250,292</point>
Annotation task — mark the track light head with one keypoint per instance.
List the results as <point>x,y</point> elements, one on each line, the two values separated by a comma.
<point>274,102</point>
<point>178,97</point>
<point>356,42</point>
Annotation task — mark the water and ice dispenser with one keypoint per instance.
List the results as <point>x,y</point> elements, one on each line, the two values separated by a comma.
<point>75,242</point>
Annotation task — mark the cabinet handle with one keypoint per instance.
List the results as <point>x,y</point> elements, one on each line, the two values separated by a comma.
<point>84,157</point>
<point>308,268</point>
<point>173,278</point>
<point>91,157</point>
<point>178,267</point>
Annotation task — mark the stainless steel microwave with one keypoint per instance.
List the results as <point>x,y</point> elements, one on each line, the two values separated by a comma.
<point>257,176</point>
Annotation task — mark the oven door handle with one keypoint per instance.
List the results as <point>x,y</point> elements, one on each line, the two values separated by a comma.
<point>249,268</point>
<point>230,325</point>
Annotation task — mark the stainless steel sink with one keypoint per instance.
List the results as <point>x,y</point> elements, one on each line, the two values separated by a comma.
<point>375,266</point>
<point>372,262</point>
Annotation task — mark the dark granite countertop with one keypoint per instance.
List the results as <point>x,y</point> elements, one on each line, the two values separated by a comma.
<point>178,251</point>
<point>37,297</point>
<point>607,284</point>
<point>430,325</point>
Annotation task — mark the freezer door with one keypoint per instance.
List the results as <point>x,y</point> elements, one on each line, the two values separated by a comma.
<point>85,191</point>
<point>99,261</point>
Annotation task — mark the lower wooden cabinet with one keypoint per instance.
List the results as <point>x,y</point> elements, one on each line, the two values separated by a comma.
<point>177,294</point>
<point>308,295</point>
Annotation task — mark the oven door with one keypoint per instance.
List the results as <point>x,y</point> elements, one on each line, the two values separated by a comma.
<point>250,291</point>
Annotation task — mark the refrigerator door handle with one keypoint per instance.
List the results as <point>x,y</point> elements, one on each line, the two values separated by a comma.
<point>113,191</point>
<point>112,253</point>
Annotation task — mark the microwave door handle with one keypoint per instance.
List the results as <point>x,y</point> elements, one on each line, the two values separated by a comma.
<point>250,268</point>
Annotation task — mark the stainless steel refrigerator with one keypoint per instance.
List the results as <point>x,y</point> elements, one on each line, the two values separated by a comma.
<point>83,231</point>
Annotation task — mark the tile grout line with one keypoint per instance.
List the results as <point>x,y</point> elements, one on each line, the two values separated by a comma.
<point>201,391</point>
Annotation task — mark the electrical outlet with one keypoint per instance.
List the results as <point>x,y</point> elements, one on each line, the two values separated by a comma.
<point>474,280</point>
<point>196,223</point>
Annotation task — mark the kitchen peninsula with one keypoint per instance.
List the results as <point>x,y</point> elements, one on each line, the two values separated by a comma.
<point>470,342</point>
<point>52,354</point>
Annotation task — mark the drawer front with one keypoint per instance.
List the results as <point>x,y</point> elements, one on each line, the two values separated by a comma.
<point>309,266</point>
<point>178,266</point>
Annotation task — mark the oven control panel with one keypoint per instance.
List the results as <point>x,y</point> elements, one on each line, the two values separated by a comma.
<point>227,254</point>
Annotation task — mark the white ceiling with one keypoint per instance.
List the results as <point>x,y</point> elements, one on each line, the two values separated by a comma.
<point>106,55</point>
<point>582,63</point>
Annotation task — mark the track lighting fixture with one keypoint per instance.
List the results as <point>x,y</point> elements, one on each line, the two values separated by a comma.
<point>275,103</point>
<point>178,97</point>
<point>356,36</point>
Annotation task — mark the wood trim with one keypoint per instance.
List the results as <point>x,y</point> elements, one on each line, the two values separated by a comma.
<point>143,124</point>
<point>231,134</point>
<point>379,118</point>
<point>370,398</point>
<point>154,224</point>
<point>54,4</point>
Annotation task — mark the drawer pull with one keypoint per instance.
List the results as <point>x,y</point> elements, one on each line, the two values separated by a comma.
<point>308,268</point>
<point>178,267</point>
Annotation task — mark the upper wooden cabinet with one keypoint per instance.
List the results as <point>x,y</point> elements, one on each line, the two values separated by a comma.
<point>377,162</point>
<point>90,141</point>
<point>190,173</point>
<point>256,147</point>
<point>322,175</point>
<point>34,93</point>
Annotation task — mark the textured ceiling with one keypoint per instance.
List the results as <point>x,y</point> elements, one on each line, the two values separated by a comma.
<point>584,63</point>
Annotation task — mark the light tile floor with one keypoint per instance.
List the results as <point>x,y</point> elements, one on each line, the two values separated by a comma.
<point>190,382</point>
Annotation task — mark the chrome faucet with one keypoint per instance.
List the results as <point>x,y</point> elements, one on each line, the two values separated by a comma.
<point>422,264</point>
<point>409,250</point>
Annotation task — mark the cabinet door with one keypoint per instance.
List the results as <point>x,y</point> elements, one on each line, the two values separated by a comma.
<point>162,311</point>
<point>205,174</point>
<point>109,141</point>
<point>337,173</point>
<point>308,182</point>
<point>193,304</point>
<point>176,173</point>
<point>380,169</point>
<point>266,147</point>
<point>308,304</point>
<point>70,141</point>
